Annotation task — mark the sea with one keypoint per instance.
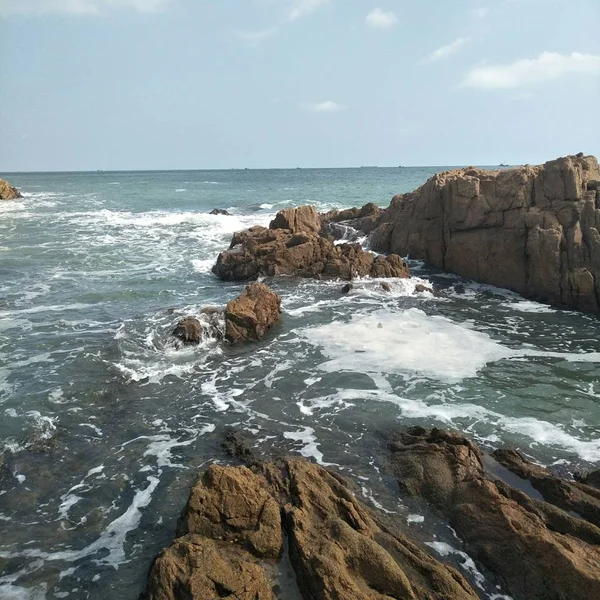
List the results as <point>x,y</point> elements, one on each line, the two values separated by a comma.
<point>105,422</point>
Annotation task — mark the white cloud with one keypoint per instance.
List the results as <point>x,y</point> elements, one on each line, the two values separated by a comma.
<point>531,71</point>
<point>81,7</point>
<point>382,19</point>
<point>327,106</point>
<point>447,50</point>
<point>299,8</point>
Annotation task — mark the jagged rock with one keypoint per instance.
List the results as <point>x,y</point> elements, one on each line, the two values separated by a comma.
<point>189,331</point>
<point>219,211</point>
<point>252,313</point>
<point>347,288</point>
<point>534,230</point>
<point>340,223</point>
<point>338,549</point>
<point>300,251</point>
<point>8,192</point>
<point>209,324</point>
<point>538,549</point>
<point>385,287</point>
<point>197,568</point>
<point>591,479</point>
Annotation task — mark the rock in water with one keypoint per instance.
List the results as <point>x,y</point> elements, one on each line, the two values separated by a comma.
<point>232,535</point>
<point>219,211</point>
<point>8,192</point>
<point>534,230</point>
<point>293,245</point>
<point>252,314</point>
<point>189,331</point>
<point>539,548</point>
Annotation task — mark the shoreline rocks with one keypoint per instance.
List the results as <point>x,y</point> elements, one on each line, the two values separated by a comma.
<point>541,537</point>
<point>8,192</point>
<point>246,318</point>
<point>294,245</point>
<point>534,230</point>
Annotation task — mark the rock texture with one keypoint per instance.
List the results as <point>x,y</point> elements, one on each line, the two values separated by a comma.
<point>294,245</point>
<point>534,230</point>
<point>231,535</point>
<point>252,314</point>
<point>539,547</point>
<point>8,192</point>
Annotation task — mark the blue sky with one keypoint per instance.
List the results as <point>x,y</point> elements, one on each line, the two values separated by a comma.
<point>175,84</point>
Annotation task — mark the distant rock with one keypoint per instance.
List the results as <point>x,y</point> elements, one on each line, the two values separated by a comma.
<point>252,314</point>
<point>293,245</point>
<point>541,549</point>
<point>232,536</point>
<point>534,230</point>
<point>219,211</point>
<point>8,192</point>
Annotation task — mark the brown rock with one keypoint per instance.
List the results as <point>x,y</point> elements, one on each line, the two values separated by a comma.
<point>197,568</point>
<point>420,289</point>
<point>534,230</point>
<point>385,287</point>
<point>538,549</point>
<point>234,505</point>
<point>303,218</point>
<point>8,192</point>
<point>189,330</point>
<point>252,314</point>
<point>209,324</point>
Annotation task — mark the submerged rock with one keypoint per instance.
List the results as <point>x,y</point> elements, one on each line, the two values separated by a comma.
<point>232,534</point>
<point>189,331</point>
<point>293,245</point>
<point>8,192</point>
<point>538,547</point>
<point>219,211</point>
<point>252,313</point>
<point>421,289</point>
<point>534,230</point>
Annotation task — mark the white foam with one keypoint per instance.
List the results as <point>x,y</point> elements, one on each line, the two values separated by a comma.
<point>468,564</point>
<point>406,341</point>
<point>415,519</point>
<point>529,306</point>
<point>310,446</point>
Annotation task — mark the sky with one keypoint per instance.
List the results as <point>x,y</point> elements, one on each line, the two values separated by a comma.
<point>195,84</point>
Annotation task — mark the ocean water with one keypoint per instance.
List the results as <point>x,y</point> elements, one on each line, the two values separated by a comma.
<point>104,423</point>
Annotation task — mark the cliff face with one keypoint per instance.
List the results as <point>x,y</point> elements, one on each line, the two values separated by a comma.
<point>534,230</point>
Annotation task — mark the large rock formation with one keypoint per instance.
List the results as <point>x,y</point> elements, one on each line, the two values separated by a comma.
<point>534,230</point>
<point>231,536</point>
<point>246,318</point>
<point>544,544</point>
<point>294,244</point>
<point>8,192</point>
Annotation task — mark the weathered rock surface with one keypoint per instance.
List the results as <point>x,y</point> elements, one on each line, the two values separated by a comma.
<point>8,192</point>
<point>293,245</point>
<point>252,313</point>
<point>541,551</point>
<point>232,531</point>
<point>534,230</point>
<point>219,211</point>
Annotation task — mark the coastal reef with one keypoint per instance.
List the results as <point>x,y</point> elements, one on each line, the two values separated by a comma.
<point>8,192</point>
<point>532,229</point>
<point>298,243</point>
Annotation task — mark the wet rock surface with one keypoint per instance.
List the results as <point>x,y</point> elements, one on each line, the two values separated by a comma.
<point>534,230</point>
<point>219,211</point>
<point>232,536</point>
<point>294,244</point>
<point>541,548</point>
<point>8,192</point>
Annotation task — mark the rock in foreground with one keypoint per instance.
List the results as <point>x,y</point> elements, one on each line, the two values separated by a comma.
<point>232,535</point>
<point>534,230</point>
<point>294,245</point>
<point>544,546</point>
<point>8,192</point>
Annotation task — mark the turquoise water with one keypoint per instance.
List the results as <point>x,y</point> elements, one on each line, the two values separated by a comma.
<point>104,423</point>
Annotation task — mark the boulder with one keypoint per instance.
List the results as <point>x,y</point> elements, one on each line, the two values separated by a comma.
<point>252,313</point>
<point>232,530</point>
<point>209,324</point>
<point>293,245</point>
<point>8,192</point>
<point>534,230</point>
<point>188,330</point>
<point>421,289</point>
<point>538,547</point>
<point>219,211</point>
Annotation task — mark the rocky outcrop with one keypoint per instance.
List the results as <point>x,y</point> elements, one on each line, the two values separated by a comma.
<point>219,211</point>
<point>8,192</point>
<point>534,230</point>
<point>246,318</point>
<point>362,220</point>
<point>231,536</point>
<point>544,545</point>
<point>252,314</point>
<point>294,245</point>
